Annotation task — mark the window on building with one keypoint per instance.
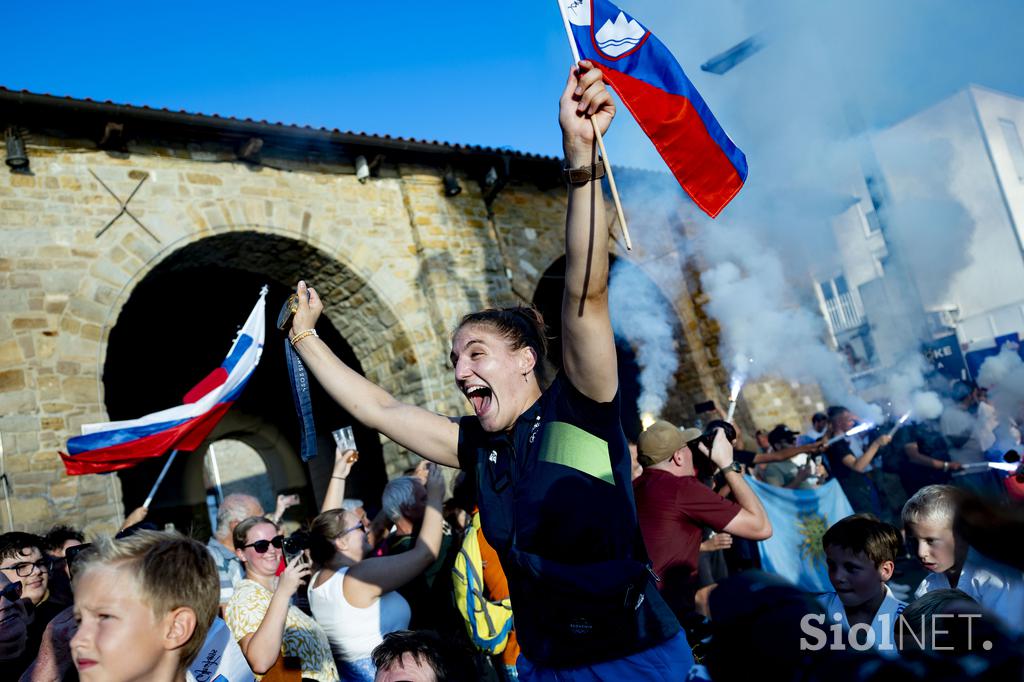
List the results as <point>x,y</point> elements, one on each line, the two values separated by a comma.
<point>841,307</point>
<point>1012,137</point>
<point>876,192</point>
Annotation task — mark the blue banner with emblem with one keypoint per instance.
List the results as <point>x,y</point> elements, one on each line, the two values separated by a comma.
<point>799,519</point>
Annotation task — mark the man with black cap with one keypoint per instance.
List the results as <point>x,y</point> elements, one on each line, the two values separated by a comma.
<point>673,505</point>
<point>796,472</point>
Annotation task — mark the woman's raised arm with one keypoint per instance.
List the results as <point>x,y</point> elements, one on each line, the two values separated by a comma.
<point>431,435</point>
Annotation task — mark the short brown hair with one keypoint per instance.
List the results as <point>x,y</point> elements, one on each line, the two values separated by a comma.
<point>865,533</point>
<point>171,571</point>
<point>241,531</point>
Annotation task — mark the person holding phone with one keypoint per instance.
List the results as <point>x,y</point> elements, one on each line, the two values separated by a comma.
<point>354,596</point>
<point>551,464</point>
<point>260,614</point>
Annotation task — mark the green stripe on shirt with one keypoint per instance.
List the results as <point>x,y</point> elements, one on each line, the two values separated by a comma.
<point>573,447</point>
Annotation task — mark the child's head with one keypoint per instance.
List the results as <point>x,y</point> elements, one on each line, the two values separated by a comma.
<point>144,605</point>
<point>928,520</point>
<point>22,558</point>
<point>861,552</point>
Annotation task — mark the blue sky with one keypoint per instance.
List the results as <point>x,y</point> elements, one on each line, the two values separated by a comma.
<point>480,73</point>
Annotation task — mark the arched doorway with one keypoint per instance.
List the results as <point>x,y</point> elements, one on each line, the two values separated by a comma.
<point>548,299</point>
<point>176,327</point>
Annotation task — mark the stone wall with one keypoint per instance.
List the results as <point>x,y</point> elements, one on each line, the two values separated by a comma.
<point>397,261</point>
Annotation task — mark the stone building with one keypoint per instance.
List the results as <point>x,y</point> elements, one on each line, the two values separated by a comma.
<point>134,241</point>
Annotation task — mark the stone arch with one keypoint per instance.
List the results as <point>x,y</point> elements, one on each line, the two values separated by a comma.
<point>284,468</point>
<point>364,323</point>
<point>547,298</point>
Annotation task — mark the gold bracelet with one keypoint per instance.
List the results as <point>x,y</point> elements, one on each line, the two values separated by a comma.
<point>301,335</point>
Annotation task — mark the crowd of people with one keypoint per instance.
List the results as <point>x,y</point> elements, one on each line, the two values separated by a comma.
<point>561,552</point>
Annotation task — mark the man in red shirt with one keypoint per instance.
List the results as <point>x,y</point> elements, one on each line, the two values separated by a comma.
<point>674,506</point>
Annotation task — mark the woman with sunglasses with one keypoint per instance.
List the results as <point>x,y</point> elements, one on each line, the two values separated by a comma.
<point>260,614</point>
<point>354,598</point>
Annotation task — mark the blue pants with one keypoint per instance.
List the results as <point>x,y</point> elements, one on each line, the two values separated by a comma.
<point>669,660</point>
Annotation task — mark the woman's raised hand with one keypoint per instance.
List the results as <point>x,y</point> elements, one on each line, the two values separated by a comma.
<point>435,482</point>
<point>295,573</point>
<point>310,307</point>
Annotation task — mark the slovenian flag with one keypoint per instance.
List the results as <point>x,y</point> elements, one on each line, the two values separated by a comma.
<point>661,98</point>
<point>118,445</point>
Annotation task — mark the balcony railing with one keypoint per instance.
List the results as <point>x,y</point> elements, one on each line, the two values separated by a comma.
<point>844,313</point>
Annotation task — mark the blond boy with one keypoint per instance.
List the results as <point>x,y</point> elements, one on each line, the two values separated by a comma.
<point>144,604</point>
<point>928,518</point>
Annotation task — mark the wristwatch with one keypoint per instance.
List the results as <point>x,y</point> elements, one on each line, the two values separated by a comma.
<point>735,466</point>
<point>584,174</point>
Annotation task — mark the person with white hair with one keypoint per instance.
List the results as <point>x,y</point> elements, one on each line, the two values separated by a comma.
<point>403,503</point>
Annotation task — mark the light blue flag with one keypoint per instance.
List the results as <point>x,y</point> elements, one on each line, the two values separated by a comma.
<point>799,519</point>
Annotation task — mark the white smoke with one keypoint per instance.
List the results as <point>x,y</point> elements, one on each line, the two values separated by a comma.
<point>1003,375</point>
<point>804,109</point>
<point>765,330</point>
<point>997,369</point>
<point>906,388</point>
<point>642,317</point>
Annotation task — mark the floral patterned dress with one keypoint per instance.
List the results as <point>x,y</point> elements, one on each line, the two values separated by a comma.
<point>303,637</point>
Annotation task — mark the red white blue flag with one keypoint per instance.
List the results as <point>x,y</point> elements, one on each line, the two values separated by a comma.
<point>118,445</point>
<point>661,98</point>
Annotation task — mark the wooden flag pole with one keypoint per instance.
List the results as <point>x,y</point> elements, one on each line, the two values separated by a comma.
<point>599,138</point>
<point>611,186</point>
<point>5,482</point>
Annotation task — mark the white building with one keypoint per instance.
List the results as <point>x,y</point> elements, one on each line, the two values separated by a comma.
<point>952,268</point>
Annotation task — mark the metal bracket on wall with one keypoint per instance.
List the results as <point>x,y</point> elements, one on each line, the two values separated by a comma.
<point>124,207</point>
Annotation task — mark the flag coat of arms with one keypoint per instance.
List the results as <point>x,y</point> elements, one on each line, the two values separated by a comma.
<point>118,445</point>
<point>799,520</point>
<point>652,85</point>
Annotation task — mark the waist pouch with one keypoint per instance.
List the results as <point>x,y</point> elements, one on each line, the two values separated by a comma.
<point>579,614</point>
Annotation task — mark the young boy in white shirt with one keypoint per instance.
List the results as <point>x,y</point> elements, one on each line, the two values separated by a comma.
<point>143,605</point>
<point>861,553</point>
<point>928,518</point>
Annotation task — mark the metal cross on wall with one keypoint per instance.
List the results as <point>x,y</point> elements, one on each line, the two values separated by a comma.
<point>124,206</point>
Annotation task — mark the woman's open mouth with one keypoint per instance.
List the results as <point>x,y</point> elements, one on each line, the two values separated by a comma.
<point>480,397</point>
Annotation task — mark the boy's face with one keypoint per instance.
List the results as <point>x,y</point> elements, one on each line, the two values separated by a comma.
<point>32,569</point>
<point>854,576</point>
<point>118,638</point>
<point>933,543</point>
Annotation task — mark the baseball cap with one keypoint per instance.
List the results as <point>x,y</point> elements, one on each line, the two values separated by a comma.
<point>660,440</point>
<point>780,434</point>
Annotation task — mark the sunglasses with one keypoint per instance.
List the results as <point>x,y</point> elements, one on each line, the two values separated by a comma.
<point>261,546</point>
<point>12,592</point>
<point>353,528</point>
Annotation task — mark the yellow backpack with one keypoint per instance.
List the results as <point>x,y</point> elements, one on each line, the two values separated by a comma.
<point>487,622</point>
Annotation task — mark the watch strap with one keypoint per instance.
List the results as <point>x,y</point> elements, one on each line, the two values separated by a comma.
<point>584,174</point>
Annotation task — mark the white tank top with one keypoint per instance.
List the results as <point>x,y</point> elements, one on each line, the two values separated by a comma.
<point>354,632</point>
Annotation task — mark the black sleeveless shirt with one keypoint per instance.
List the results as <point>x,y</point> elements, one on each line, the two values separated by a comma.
<point>556,503</point>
